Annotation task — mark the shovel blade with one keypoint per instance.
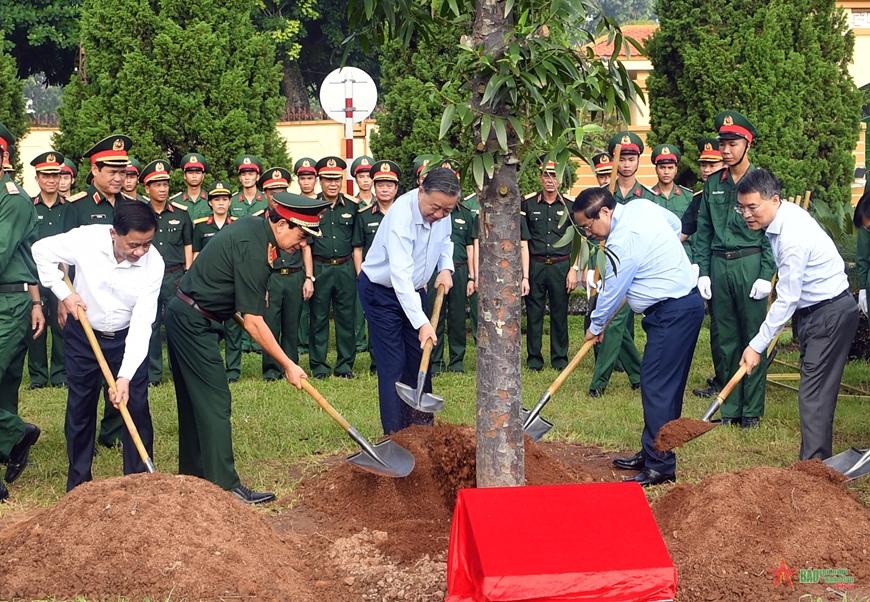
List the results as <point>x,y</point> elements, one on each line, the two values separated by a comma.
<point>430,403</point>
<point>537,428</point>
<point>422,402</point>
<point>389,460</point>
<point>845,461</point>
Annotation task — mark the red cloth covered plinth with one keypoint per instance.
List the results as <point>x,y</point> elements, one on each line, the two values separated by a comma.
<point>596,541</point>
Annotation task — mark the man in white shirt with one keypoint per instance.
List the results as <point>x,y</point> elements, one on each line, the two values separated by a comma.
<point>813,290</point>
<point>412,241</point>
<point>117,279</point>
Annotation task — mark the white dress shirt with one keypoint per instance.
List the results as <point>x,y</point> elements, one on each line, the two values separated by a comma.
<point>405,252</point>
<point>809,266</point>
<point>118,295</point>
<point>652,265</point>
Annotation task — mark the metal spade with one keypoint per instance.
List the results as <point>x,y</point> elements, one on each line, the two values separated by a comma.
<point>853,463</point>
<point>416,398</point>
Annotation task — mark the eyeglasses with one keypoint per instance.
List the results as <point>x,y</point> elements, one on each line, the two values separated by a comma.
<point>748,210</point>
<point>586,230</point>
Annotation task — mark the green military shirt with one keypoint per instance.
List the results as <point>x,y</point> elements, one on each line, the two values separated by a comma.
<point>18,226</point>
<point>721,228</point>
<point>174,232</point>
<point>196,208</point>
<point>366,226</point>
<point>463,233</point>
<point>49,219</point>
<point>336,225</point>
<point>543,225</point>
<point>231,274</point>
<point>89,207</point>
<point>472,204</point>
<point>286,260</point>
<point>638,191</point>
<point>677,202</point>
<point>204,230</point>
<point>239,207</point>
<point>689,219</point>
<point>863,260</point>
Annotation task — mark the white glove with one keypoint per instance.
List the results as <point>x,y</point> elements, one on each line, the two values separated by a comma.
<point>760,289</point>
<point>696,271</point>
<point>590,280</point>
<point>705,287</point>
<point>862,300</point>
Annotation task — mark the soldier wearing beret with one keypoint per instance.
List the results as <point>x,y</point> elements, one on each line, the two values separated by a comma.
<point>68,174</point>
<point>736,266</point>
<point>20,315</point>
<point>306,176</point>
<point>174,241</point>
<point>230,275</point>
<point>49,205</point>
<point>361,169</point>
<point>249,200</point>
<point>193,199</point>
<point>602,165</point>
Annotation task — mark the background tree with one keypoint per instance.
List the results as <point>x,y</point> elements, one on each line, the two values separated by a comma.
<point>628,11</point>
<point>784,63</point>
<point>12,113</point>
<point>44,35</point>
<point>194,76</point>
<point>524,78</point>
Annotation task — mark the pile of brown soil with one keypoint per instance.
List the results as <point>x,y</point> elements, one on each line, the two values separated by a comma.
<point>156,536</point>
<point>417,509</point>
<point>729,533</point>
<point>679,432</point>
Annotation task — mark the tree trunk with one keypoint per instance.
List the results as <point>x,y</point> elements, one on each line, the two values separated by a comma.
<point>293,88</point>
<point>500,459</point>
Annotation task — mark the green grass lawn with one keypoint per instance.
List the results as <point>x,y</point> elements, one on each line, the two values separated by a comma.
<point>278,429</point>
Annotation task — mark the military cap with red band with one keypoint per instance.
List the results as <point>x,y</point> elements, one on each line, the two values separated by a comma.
<point>666,153</point>
<point>732,125</point>
<point>331,167</point>
<point>156,171</point>
<point>69,167</point>
<point>631,143</point>
<point>708,151</point>
<point>602,163</point>
<point>192,161</point>
<point>112,150</point>
<point>50,162</point>
<point>386,171</point>
<point>300,210</point>
<point>361,165</point>
<point>7,140</point>
<point>248,163</point>
<point>275,177</point>
<point>305,166</point>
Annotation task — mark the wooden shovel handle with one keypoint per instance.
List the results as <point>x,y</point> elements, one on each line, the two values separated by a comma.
<point>567,370</point>
<point>617,151</point>
<point>741,372</point>
<point>327,407</point>
<point>433,321</point>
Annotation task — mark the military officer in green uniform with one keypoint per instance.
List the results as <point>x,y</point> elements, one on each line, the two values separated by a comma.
<point>130,188</point>
<point>290,283</point>
<point>421,165</point>
<point>248,200</point>
<point>385,177</point>
<point>20,315</point>
<point>361,169</point>
<point>617,350</point>
<point>335,279</point>
<point>96,205</point>
<point>306,178</point>
<point>548,276</point>
<point>472,203</point>
<point>174,241</point>
<point>668,194</point>
<point>736,266</point>
<point>230,275</point>
<point>49,205</point>
<point>602,165</point>
<point>193,199</point>
<point>68,173</point>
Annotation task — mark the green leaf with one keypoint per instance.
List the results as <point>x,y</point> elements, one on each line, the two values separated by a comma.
<point>540,126</point>
<point>477,171</point>
<point>454,6</point>
<point>601,265</point>
<point>500,132</point>
<point>548,119</point>
<point>447,119</point>
<point>578,136</point>
<point>489,163</point>
<point>519,129</point>
<point>485,126</point>
<point>369,7</point>
<point>508,7</point>
<point>567,237</point>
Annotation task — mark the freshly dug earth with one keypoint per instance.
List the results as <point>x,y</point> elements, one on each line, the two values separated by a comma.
<point>156,536</point>
<point>729,533</point>
<point>680,431</point>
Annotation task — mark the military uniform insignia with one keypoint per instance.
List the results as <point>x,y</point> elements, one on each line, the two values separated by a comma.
<point>604,159</point>
<point>246,161</point>
<point>331,163</point>
<point>708,147</point>
<point>50,158</point>
<point>178,206</point>
<point>346,215</point>
<point>666,150</point>
<point>276,175</point>
<point>385,167</point>
<point>728,120</point>
<point>626,140</point>
<point>159,167</point>
<point>364,161</point>
<point>118,145</point>
<point>11,188</point>
<point>77,196</point>
<point>174,222</point>
<point>460,221</point>
<point>306,163</point>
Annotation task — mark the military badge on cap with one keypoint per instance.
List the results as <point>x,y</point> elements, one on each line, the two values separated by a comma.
<point>602,164</point>
<point>156,171</point>
<point>666,153</point>
<point>708,151</point>
<point>304,166</point>
<point>386,171</point>
<point>631,144</point>
<point>248,163</point>
<point>112,150</point>
<point>732,125</point>
<point>420,163</point>
<point>275,178</point>
<point>331,167</point>
<point>361,165</point>
<point>50,162</point>
<point>194,162</point>
<point>548,166</point>
<point>300,210</point>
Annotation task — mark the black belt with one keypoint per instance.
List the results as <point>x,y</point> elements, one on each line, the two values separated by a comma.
<point>738,253</point>
<point>15,287</point>
<point>332,260</point>
<point>286,271</point>
<point>805,311</point>
<point>118,334</point>
<point>173,268</point>
<point>550,259</point>
<point>191,302</point>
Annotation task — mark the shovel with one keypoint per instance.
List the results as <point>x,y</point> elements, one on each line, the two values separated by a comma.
<point>853,463</point>
<point>533,424</point>
<point>416,398</point>
<point>110,380</point>
<point>387,458</point>
<point>726,390</point>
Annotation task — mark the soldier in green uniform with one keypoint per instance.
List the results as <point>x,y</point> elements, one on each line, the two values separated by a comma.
<point>385,176</point>
<point>193,199</point>
<point>130,188</point>
<point>671,196</point>
<point>68,174</point>
<point>306,177</point>
<point>361,169</point>
<point>96,205</point>
<point>248,200</point>
<point>230,275</point>
<point>204,230</point>
<point>617,350</point>
<point>472,203</point>
<point>548,276</point>
<point>174,241</point>
<point>602,165</point>
<point>290,283</point>
<point>49,205</point>
<point>861,219</point>
<point>20,314</point>
<point>736,266</point>
<point>335,279</point>
<point>420,168</point>
<point>709,162</point>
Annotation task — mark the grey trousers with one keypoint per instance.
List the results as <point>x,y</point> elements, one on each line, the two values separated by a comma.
<point>825,338</point>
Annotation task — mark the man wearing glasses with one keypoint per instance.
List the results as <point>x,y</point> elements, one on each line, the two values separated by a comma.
<point>813,290</point>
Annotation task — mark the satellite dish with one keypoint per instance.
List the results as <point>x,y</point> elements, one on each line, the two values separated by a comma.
<point>348,93</point>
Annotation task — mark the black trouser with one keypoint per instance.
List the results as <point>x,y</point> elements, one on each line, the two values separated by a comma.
<point>84,381</point>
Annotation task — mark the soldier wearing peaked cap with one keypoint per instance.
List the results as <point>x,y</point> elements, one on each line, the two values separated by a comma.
<point>130,189</point>
<point>249,200</point>
<point>20,315</point>
<point>361,169</point>
<point>602,165</point>
<point>109,159</point>
<point>421,165</point>
<point>671,196</point>
<point>736,265</point>
<point>49,205</point>
<point>306,176</point>
<point>174,241</point>
<point>68,174</point>
<point>334,276</point>
<point>230,275</point>
<point>193,199</point>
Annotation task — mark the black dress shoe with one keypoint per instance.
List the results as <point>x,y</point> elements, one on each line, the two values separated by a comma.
<point>635,386</point>
<point>649,477</point>
<point>252,497</point>
<point>20,454</point>
<point>347,375</point>
<point>321,376</point>
<point>711,382</point>
<point>4,493</point>
<point>596,392</point>
<point>635,462</point>
<point>711,391</point>
<point>750,422</point>
<point>730,421</point>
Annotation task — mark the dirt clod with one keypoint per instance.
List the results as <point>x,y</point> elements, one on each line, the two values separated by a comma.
<point>679,432</point>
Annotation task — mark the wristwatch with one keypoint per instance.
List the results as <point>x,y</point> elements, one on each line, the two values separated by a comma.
<point>311,278</point>
<point>575,267</point>
<point>35,302</point>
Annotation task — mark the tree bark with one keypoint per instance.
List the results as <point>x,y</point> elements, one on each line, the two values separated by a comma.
<point>500,459</point>
<point>293,88</point>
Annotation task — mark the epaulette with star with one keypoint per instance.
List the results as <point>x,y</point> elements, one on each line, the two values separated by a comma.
<point>77,196</point>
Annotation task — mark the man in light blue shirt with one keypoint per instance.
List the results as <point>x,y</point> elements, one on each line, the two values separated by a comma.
<point>653,274</point>
<point>412,241</point>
